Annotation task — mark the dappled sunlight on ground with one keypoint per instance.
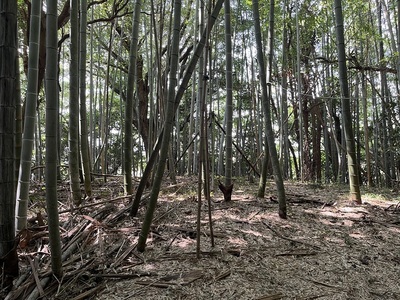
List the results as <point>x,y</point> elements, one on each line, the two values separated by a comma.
<point>252,232</point>
<point>184,243</point>
<point>238,242</point>
<point>328,248</point>
<point>358,235</point>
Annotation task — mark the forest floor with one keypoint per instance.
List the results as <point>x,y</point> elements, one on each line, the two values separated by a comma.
<point>328,248</point>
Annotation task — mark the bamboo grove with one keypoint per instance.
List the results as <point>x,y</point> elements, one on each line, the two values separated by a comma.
<point>305,87</point>
<point>310,94</point>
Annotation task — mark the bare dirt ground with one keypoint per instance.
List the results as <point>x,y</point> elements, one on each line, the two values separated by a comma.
<point>328,248</point>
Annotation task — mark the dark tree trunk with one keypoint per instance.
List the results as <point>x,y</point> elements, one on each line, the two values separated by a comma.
<point>142,84</point>
<point>8,98</point>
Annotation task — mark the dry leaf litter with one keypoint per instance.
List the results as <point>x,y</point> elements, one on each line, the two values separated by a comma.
<point>328,248</point>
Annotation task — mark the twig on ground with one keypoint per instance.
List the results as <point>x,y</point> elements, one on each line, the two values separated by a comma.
<point>289,239</point>
<point>324,284</point>
<point>223,275</point>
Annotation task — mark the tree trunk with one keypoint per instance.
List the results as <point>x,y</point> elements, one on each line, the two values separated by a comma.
<point>366,131</point>
<point>51,138</point>
<point>284,129</point>
<point>30,118</point>
<point>8,98</point>
<point>86,162</point>
<point>129,100</point>
<point>229,99</point>
<point>74,108</point>
<point>266,98</point>
<point>191,131</point>
<point>355,194</point>
<point>300,131</point>
<point>19,123</point>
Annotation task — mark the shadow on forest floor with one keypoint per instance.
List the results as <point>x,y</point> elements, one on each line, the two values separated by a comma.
<point>328,248</point>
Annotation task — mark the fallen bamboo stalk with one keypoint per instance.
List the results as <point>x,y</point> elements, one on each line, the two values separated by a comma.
<point>95,204</point>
